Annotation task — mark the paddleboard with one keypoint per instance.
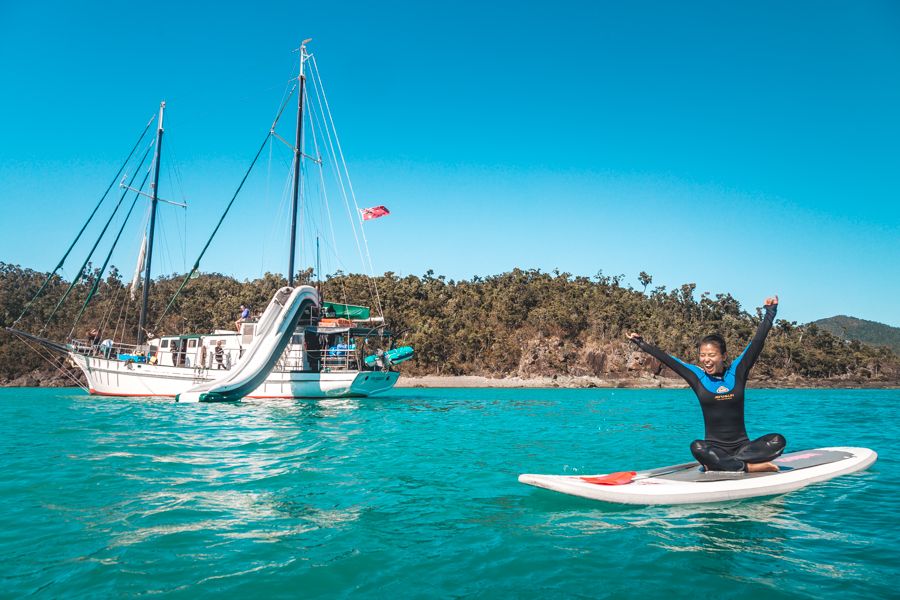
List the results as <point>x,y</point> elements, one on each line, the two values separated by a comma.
<point>688,483</point>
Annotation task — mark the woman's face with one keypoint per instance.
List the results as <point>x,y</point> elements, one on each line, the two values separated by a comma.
<point>712,360</point>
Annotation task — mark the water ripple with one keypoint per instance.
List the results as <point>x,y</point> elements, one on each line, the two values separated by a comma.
<point>415,495</point>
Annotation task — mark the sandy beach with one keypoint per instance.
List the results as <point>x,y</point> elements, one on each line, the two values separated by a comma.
<point>476,381</point>
<point>646,382</point>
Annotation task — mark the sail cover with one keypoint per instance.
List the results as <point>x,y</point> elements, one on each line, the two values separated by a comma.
<point>136,280</point>
<point>346,311</point>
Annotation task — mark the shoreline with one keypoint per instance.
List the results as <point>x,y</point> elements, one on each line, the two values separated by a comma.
<point>560,381</point>
<point>585,382</point>
<point>639,382</point>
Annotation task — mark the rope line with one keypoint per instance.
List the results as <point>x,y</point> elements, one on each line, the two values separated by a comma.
<point>80,274</point>
<point>215,231</point>
<point>112,248</point>
<point>53,359</point>
<point>327,203</point>
<point>222,218</point>
<point>358,220</point>
<point>89,219</point>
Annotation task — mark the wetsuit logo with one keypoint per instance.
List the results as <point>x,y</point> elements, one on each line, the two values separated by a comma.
<point>722,389</point>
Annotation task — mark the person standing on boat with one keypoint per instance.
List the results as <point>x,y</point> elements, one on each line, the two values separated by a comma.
<point>94,339</point>
<point>219,355</point>
<point>720,389</point>
<point>245,314</point>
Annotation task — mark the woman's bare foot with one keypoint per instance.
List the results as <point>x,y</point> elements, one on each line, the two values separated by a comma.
<point>761,467</point>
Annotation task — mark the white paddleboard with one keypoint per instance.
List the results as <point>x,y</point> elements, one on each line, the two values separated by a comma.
<point>689,484</point>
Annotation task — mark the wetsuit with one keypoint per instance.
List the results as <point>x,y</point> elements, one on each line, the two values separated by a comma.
<point>726,447</point>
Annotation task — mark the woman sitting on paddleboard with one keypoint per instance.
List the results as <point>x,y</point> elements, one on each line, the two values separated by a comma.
<point>720,390</point>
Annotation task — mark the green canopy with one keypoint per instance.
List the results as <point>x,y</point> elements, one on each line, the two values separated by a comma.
<point>346,311</point>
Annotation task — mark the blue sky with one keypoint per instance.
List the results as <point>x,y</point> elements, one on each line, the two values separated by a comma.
<point>749,148</point>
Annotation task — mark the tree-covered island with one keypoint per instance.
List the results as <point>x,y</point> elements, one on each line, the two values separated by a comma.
<point>525,324</point>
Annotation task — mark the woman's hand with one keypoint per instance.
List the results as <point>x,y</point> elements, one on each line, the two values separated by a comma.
<point>634,337</point>
<point>772,301</point>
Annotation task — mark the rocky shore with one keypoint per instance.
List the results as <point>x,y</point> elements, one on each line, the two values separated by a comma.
<point>46,378</point>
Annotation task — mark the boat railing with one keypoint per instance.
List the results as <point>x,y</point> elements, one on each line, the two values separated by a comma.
<point>340,359</point>
<point>107,349</point>
<point>334,359</point>
<point>292,359</point>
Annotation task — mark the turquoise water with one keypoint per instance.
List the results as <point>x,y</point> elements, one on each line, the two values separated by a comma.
<point>415,495</point>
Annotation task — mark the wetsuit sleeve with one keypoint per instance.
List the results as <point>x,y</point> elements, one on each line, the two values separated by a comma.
<point>670,361</point>
<point>748,357</point>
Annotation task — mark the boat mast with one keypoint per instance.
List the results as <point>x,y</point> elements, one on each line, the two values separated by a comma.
<point>298,154</point>
<point>153,202</point>
<point>318,269</point>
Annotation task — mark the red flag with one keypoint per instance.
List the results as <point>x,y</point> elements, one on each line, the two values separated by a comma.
<point>373,213</point>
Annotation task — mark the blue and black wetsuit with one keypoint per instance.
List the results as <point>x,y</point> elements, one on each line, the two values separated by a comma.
<point>726,447</point>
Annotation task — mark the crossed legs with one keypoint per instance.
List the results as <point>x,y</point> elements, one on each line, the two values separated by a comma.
<point>744,458</point>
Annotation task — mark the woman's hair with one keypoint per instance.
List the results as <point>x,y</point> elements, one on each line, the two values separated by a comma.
<point>716,339</point>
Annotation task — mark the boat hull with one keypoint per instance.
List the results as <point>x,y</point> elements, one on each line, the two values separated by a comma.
<point>107,377</point>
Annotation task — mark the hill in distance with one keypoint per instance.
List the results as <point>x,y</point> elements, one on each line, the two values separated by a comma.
<point>867,332</point>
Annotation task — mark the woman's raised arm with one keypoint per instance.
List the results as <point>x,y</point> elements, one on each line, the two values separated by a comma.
<point>670,361</point>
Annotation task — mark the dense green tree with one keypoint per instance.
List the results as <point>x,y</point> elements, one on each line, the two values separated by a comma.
<point>645,279</point>
<point>524,322</point>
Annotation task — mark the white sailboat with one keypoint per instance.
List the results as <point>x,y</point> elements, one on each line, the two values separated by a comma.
<point>321,357</point>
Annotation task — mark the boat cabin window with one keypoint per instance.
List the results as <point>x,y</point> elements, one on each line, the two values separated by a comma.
<point>247,332</point>
<point>192,343</point>
<point>164,344</point>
